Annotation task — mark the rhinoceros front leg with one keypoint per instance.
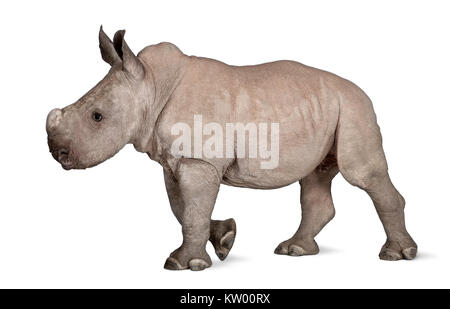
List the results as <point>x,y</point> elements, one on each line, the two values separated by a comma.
<point>222,235</point>
<point>222,232</point>
<point>192,191</point>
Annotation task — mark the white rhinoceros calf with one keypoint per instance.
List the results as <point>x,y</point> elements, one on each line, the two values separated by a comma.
<point>193,115</point>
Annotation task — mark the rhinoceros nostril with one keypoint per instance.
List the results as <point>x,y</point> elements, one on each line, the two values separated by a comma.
<point>63,154</point>
<point>64,158</point>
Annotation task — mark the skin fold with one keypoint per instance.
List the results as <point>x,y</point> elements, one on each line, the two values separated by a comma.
<point>327,125</point>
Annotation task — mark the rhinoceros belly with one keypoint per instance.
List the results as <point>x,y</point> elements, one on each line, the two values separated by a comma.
<point>305,136</point>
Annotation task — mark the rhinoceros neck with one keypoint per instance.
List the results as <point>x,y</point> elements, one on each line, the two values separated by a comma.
<point>165,65</point>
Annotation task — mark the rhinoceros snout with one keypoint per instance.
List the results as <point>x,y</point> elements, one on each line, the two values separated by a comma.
<point>61,153</point>
<point>57,142</point>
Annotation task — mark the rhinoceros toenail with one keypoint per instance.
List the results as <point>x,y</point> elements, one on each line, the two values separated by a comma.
<point>197,264</point>
<point>295,250</point>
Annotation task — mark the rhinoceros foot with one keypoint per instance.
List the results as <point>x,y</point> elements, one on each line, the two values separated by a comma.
<point>194,264</point>
<point>297,247</point>
<point>184,258</point>
<point>222,236</point>
<point>394,250</point>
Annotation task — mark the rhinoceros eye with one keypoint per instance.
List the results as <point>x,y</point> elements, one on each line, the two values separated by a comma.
<point>97,116</point>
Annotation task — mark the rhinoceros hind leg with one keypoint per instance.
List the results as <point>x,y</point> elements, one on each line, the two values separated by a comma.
<point>317,210</point>
<point>222,235</point>
<point>390,208</point>
<point>362,163</point>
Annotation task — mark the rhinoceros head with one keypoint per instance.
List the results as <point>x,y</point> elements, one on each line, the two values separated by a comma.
<point>106,118</point>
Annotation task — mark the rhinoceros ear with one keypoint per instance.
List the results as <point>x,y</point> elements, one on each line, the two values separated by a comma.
<point>130,63</point>
<point>109,53</point>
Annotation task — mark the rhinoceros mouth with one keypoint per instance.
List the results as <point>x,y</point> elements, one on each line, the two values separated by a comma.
<point>64,158</point>
<point>61,153</point>
<point>67,165</point>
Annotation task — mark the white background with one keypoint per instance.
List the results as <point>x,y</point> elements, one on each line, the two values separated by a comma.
<point>111,226</point>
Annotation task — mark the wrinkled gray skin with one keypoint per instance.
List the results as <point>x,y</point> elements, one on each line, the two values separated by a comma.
<point>327,125</point>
